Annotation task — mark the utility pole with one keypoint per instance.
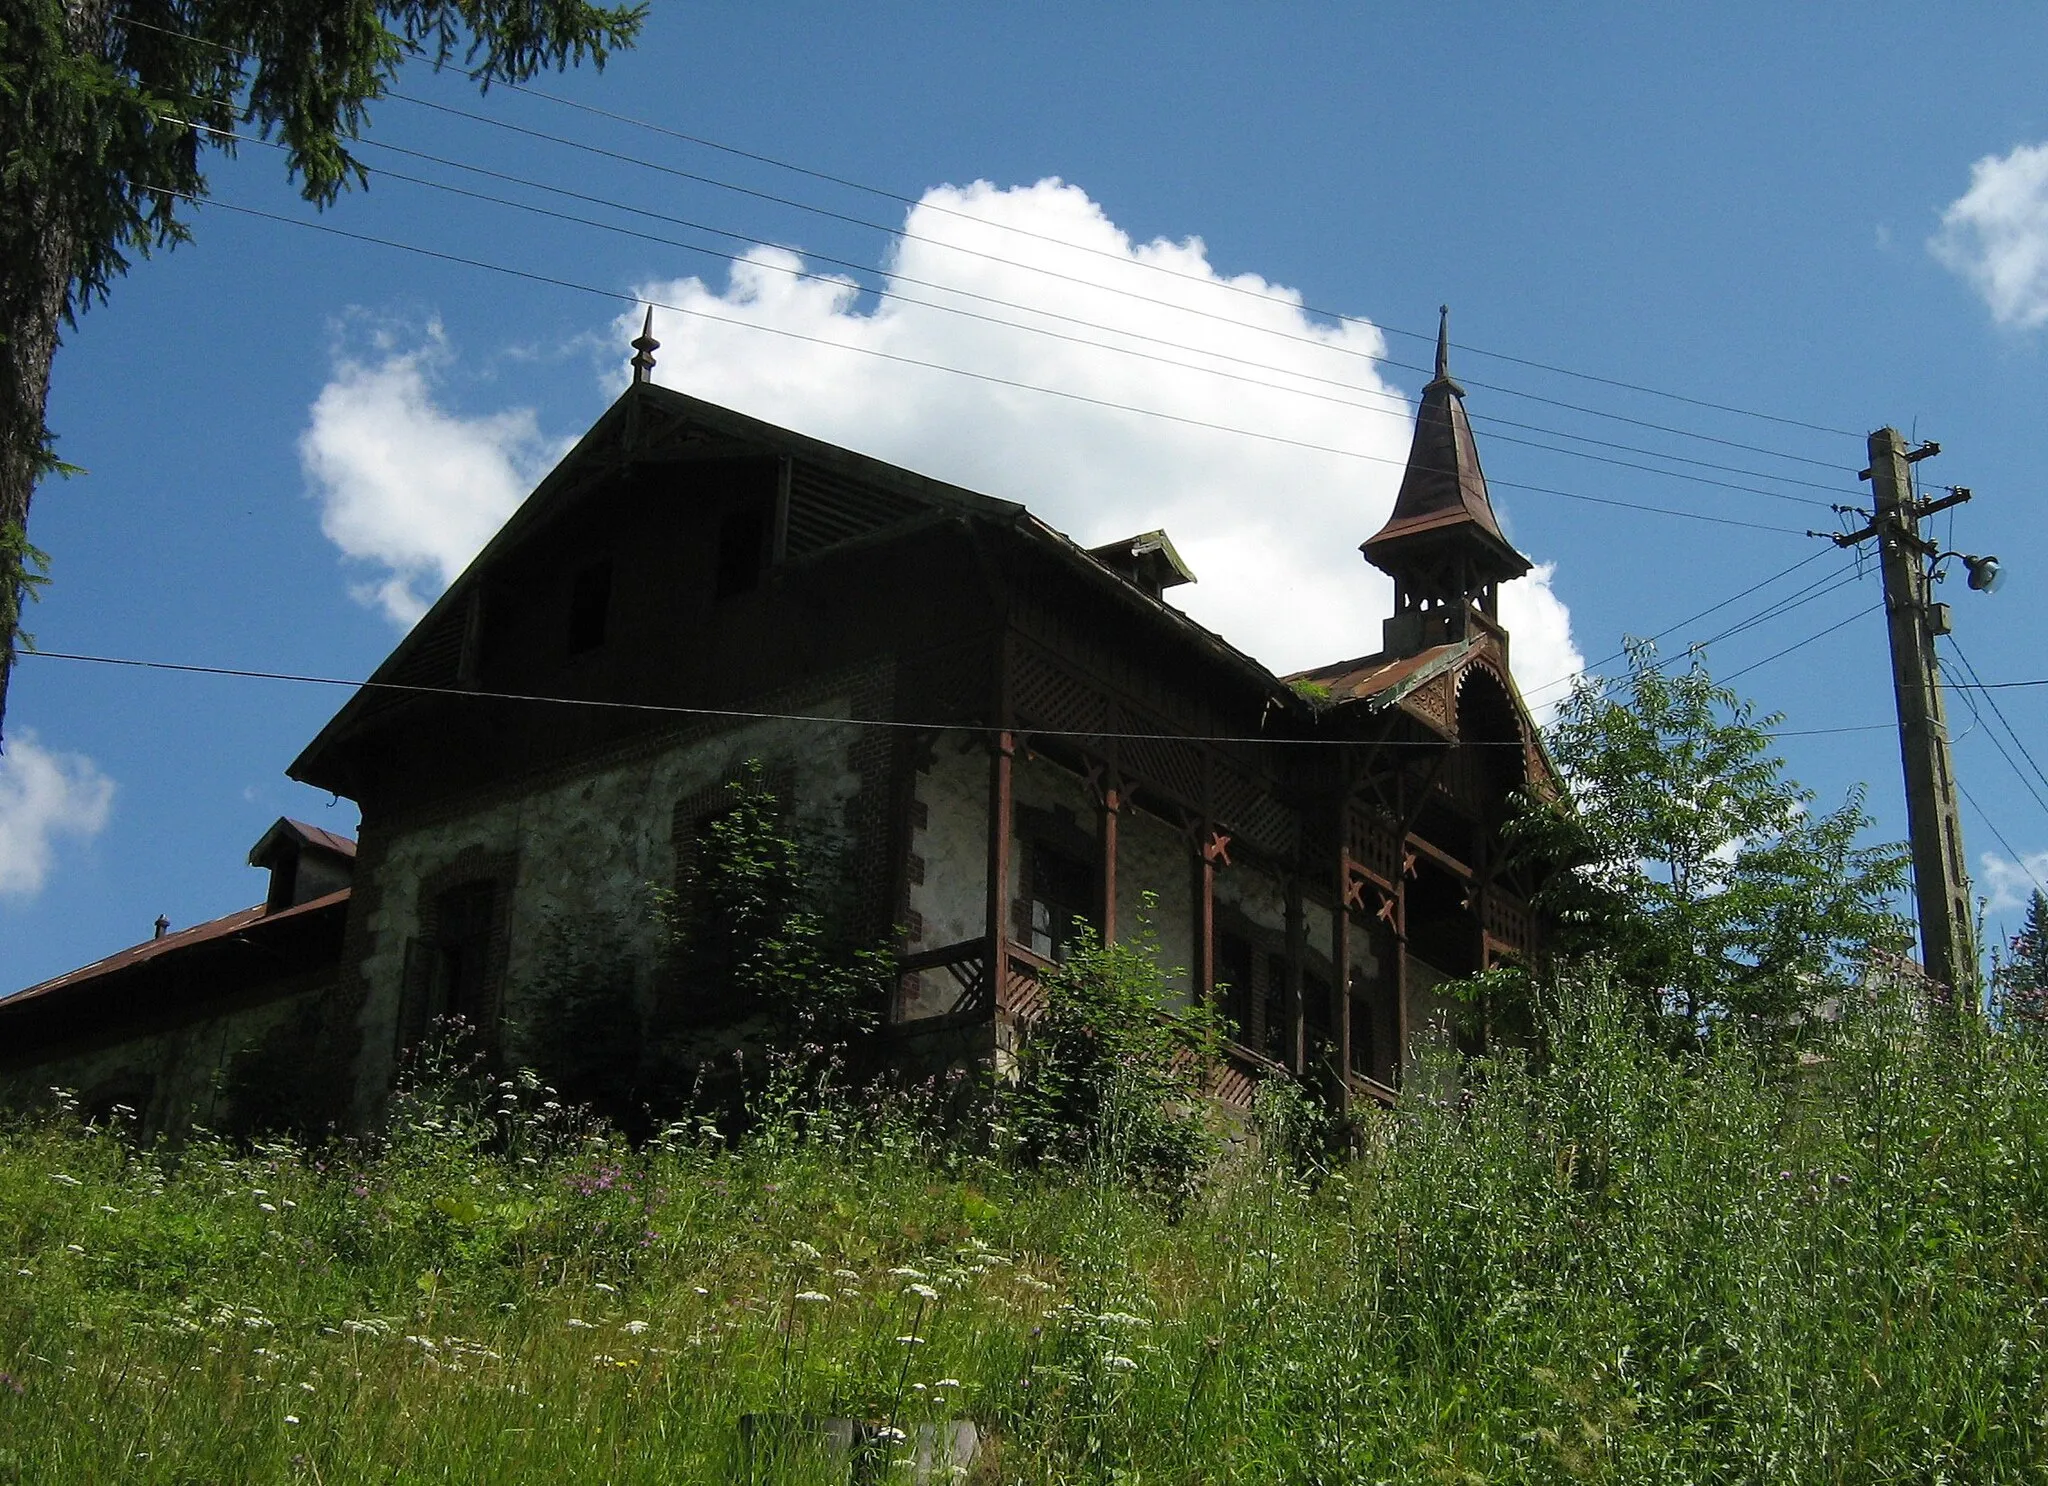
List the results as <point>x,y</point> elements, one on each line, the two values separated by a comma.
<point>1941,881</point>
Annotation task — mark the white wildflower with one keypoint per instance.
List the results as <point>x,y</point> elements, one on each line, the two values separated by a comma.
<point>424,1343</point>
<point>634,1328</point>
<point>608,1289</point>
<point>291,1418</point>
<point>803,1250</point>
<point>576,1325</point>
<point>69,1181</point>
<point>813,1297</point>
<point>1119,1364</point>
<point>903,1272</point>
<point>845,1274</point>
<point>923,1292</point>
<point>266,1207</point>
<point>1122,1318</point>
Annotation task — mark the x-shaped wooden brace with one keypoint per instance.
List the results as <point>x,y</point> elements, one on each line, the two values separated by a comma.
<point>1217,849</point>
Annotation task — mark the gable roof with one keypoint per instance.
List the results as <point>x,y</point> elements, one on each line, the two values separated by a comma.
<point>836,496</point>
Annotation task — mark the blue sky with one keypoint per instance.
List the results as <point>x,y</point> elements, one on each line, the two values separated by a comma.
<point>1834,215</point>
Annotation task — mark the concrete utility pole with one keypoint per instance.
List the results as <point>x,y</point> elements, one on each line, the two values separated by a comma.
<point>1941,881</point>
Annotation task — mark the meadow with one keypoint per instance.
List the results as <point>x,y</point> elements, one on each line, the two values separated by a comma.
<point>1614,1264</point>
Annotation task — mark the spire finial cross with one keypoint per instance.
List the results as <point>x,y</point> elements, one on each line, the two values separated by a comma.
<point>1443,341</point>
<point>644,347</point>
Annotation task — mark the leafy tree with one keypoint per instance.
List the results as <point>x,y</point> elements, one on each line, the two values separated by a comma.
<point>1110,1076</point>
<point>109,110</point>
<point>2023,979</point>
<point>1694,866</point>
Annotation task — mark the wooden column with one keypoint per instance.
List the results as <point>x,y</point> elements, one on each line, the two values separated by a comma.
<point>1340,962</point>
<point>1400,1060</point>
<point>1205,920</point>
<point>1002,762</point>
<point>1106,811</point>
<point>1297,943</point>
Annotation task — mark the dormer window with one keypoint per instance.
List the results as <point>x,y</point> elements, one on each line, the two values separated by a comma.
<point>1147,562</point>
<point>590,602</point>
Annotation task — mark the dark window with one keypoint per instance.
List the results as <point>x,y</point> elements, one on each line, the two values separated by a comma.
<point>590,602</point>
<point>1062,889</point>
<point>742,549</point>
<point>1234,962</point>
<point>1276,1008</point>
<point>460,967</point>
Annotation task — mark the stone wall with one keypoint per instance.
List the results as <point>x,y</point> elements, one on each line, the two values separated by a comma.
<point>582,854</point>
<point>211,1071</point>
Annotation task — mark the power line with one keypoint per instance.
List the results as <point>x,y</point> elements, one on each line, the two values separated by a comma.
<point>903,234</point>
<point>748,715</point>
<point>1998,711</point>
<point>894,277</point>
<point>1078,397</point>
<point>1997,835</point>
<point>901,199</point>
<point>1802,644</point>
<point>1999,744</point>
<point>1776,609</point>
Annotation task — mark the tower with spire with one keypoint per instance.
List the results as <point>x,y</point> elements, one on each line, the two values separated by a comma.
<point>1442,546</point>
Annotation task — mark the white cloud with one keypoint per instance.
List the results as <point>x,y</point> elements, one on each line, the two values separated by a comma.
<point>1995,235</point>
<point>45,795</point>
<point>406,485</point>
<point>1271,529</point>
<point>2006,885</point>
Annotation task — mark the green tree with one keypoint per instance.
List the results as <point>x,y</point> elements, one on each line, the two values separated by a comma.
<point>1111,1074</point>
<point>109,111</point>
<point>1694,866</point>
<point>2023,979</point>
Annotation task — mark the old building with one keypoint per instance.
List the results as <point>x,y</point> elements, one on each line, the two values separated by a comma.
<point>1001,735</point>
<point>211,1023</point>
<point>1002,732</point>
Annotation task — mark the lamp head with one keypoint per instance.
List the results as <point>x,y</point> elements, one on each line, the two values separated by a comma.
<point>1986,576</point>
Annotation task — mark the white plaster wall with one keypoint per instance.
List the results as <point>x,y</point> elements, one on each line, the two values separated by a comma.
<point>1154,857</point>
<point>590,848</point>
<point>951,903</point>
<point>1429,1015</point>
<point>1255,893</point>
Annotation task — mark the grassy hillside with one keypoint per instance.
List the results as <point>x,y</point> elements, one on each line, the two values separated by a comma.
<point>1614,1269</point>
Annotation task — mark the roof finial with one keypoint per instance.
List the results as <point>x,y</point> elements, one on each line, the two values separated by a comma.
<point>1443,342</point>
<point>646,345</point>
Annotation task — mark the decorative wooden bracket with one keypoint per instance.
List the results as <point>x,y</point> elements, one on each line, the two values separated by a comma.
<point>1354,886</point>
<point>1216,850</point>
<point>1385,914</point>
<point>1407,862</point>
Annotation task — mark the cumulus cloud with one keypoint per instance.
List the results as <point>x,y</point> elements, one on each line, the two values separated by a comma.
<point>45,796</point>
<point>1271,525</point>
<point>1995,235</point>
<point>405,485</point>
<point>2006,885</point>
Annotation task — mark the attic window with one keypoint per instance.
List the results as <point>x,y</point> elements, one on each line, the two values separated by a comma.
<point>590,602</point>
<point>742,551</point>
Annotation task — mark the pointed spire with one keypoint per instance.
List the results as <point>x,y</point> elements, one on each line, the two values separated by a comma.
<point>644,348</point>
<point>1442,542</point>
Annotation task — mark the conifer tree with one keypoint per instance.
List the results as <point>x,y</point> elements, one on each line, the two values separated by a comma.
<point>109,111</point>
<point>2023,979</point>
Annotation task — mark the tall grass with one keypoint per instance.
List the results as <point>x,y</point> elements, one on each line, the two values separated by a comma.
<point>1608,1268</point>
